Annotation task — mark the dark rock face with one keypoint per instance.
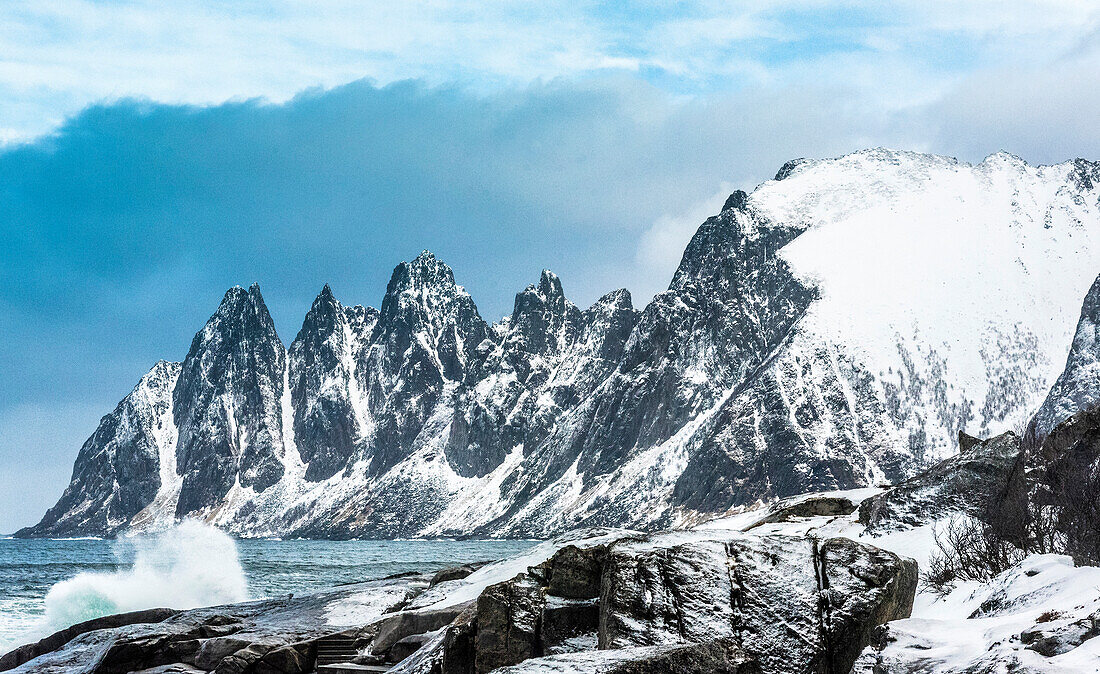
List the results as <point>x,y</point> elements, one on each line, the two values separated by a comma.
<point>574,572</point>
<point>1063,475</point>
<point>569,625</point>
<point>55,641</point>
<point>970,482</point>
<point>1078,387</point>
<point>327,428</point>
<point>788,603</point>
<point>785,511</point>
<point>509,623</point>
<point>683,602</point>
<point>730,304</point>
<point>863,587</point>
<point>227,404</point>
<point>712,396</point>
<point>409,623</point>
<point>427,334</point>
<point>455,573</point>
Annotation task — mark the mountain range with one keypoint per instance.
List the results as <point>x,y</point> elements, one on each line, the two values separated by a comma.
<point>833,329</point>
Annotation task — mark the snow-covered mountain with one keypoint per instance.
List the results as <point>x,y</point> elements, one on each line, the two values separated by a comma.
<point>836,328</point>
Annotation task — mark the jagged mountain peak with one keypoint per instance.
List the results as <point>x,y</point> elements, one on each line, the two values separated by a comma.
<point>240,305</point>
<point>1003,156</point>
<point>738,200</point>
<point>542,319</point>
<point>548,291</point>
<point>550,285</point>
<point>620,298</point>
<point>1086,174</point>
<point>425,269</point>
<point>325,301</point>
<point>226,403</point>
<point>427,283</point>
<point>730,245</point>
<point>324,316</point>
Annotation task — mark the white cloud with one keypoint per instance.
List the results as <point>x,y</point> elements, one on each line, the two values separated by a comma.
<point>56,56</point>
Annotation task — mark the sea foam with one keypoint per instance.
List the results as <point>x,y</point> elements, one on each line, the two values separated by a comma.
<point>187,566</point>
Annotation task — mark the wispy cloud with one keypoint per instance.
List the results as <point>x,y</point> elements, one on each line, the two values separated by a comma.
<point>56,56</point>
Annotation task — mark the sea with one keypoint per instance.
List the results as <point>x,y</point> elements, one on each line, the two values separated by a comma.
<point>46,585</point>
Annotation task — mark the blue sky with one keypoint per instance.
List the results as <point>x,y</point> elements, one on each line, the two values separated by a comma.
<point>154,154</point>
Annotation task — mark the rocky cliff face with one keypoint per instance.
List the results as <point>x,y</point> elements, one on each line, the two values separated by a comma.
<point>226,404</point>
<point>118,470</point>
<point>819,333</point>
<point>1078,387</point>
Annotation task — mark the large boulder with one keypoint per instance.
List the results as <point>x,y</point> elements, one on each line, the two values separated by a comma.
<point>814,506</point>
<point>455,573</point>
<point>574,572</point>
<point>863,587</point>
<point>972,482</point>
<point>409,623</point>
<point>792,604</point>
<point>56,640</point>
<point>509,622</point>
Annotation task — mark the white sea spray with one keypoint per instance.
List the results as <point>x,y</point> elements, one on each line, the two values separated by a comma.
<point>186,566</point>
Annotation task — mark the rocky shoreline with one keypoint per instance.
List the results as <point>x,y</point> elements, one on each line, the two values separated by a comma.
<point>820,583</point>
<point>597,599</point>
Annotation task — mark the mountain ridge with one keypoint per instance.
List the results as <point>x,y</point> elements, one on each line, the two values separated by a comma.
<point>765,369</point>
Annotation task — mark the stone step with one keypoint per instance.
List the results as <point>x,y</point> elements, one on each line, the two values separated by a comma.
<point>335,650</point>
<point>350,668</point>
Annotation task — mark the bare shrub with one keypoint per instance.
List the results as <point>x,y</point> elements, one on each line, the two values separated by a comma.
<point>1073,489</point>
<point>968,549</point>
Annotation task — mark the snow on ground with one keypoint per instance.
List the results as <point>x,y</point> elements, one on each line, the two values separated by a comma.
<point>979,627</point>
<point>368,605</point>
<point>1042,604</point>
<point>958,242</point>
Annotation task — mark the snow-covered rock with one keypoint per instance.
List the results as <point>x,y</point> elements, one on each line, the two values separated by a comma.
<point>833,329</point>
<point>124,464</point>
<point>973,482</point>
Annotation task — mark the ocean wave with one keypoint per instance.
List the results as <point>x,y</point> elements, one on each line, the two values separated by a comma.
<point>187,566</point>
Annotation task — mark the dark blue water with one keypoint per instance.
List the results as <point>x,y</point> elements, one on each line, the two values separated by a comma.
<point>28,569</point>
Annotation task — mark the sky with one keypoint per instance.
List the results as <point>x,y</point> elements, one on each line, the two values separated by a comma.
<point>154,154</point>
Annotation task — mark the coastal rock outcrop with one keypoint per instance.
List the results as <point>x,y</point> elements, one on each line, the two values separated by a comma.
<point>596,600</point>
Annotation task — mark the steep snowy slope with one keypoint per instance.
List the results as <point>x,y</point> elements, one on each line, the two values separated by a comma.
<point>834,329</point>
<point>1078,386</point>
